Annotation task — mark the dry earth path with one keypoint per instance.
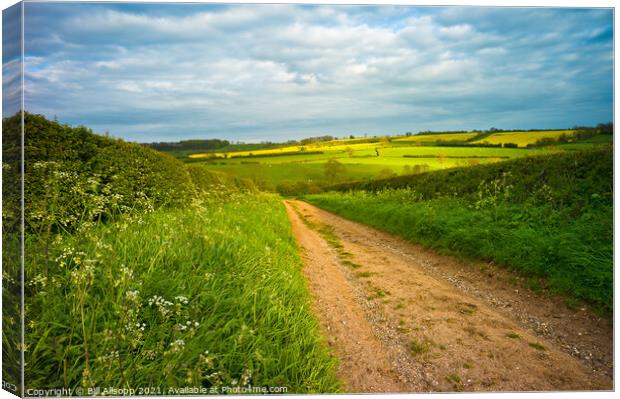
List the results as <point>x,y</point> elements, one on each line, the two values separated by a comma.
<point>401,318</point>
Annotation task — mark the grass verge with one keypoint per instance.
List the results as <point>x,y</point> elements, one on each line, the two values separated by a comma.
<point>207,296</point>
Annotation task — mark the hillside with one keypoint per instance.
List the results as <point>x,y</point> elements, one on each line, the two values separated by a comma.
<point>294,168</point>
<point>571,176</point>
<point>548,217</point>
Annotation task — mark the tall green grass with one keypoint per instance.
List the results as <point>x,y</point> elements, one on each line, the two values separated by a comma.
<point>552,223</point>
<point>144,273</point>
<point>210,296</point>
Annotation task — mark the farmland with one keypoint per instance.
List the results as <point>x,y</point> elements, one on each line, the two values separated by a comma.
<point>431,138</point>
<point>363,163</point>
<point>360,160</point>
<point>522,139</point>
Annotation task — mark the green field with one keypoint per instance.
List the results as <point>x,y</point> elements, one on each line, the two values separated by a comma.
<point>382,157</point>
<point>426,138</point>
<point>360,161</point>
<point>589,143</point>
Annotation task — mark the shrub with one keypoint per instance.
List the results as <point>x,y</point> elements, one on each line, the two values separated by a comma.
<point>297,188</point>
<point>73,175</point>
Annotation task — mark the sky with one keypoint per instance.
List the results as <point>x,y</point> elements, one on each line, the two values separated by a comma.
<point>168,72</point>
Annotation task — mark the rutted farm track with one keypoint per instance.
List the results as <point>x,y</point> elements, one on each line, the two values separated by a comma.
<point>404,319</point>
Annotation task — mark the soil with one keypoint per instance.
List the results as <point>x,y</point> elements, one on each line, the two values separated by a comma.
<point>402,318</point>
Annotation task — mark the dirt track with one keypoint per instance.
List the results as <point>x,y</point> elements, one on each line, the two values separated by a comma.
<point>404,319</point>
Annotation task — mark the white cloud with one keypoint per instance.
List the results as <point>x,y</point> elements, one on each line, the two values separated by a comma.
<point>283,69</point>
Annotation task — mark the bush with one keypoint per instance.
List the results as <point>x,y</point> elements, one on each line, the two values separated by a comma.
<point>212,182</point>
<point>74,176</point>
<point>571,177</point>
<point>297,188</point>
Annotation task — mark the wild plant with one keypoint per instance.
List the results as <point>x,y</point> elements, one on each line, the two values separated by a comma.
<point>493,192</point>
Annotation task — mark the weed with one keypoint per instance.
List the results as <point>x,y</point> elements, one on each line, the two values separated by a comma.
<point>467,308</point>
<point>350,264</point>
<point>453,378</point>
<point>572,303</point>
<point>418,348</point>
<point>379,293</point>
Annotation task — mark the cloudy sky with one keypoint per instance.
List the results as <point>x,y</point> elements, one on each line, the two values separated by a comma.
<point>274,72</point>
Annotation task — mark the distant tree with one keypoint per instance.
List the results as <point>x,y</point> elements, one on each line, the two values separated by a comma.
<point>545,141</point>
<point>316,139</point>
<point>605,128</point>
<point>419,168</point>
<point>386,173</point>
<point>334,170</point>
<point>191,145</point>
<point>563,138</point>
<point>351,136</point>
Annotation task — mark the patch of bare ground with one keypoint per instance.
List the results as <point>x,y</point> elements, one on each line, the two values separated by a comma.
<point>402,318</point>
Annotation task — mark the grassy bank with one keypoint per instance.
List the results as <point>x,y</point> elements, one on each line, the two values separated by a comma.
<point>143,273</point>
<point>207,296</point>
<point>550,218</point>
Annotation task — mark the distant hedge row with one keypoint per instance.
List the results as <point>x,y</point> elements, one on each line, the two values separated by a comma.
<point>572,177</point>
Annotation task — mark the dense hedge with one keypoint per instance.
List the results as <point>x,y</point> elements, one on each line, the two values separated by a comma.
<point>73,175</point>
<point>11,177</point>
<point>571,177</point>
<point>211,182</point>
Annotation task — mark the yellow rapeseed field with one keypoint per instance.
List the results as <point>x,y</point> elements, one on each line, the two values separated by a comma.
<point>522,139</point>
<point>420,138</point>
<point>247,153</point>
<point>335,145</point>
